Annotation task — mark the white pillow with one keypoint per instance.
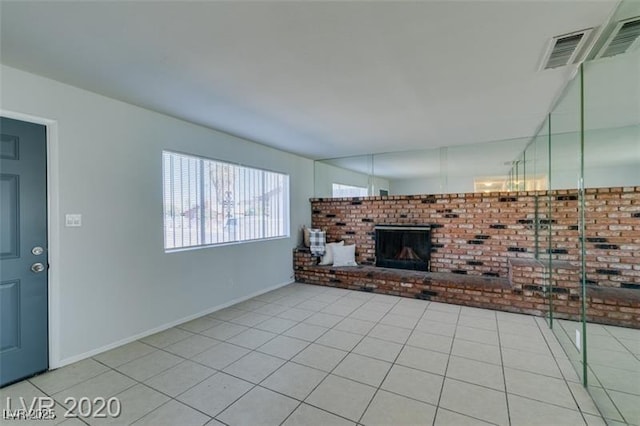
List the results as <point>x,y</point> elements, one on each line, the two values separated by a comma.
<point>344,255</point>
<point>327,259</point>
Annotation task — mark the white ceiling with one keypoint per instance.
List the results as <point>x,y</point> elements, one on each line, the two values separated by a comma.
<point>321,79</point>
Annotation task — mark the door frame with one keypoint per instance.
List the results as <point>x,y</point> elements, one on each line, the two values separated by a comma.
<point>53,230</point>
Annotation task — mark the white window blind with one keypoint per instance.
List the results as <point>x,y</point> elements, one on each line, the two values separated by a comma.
<point>209,202</point>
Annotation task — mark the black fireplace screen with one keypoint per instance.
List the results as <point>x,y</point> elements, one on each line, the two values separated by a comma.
<point>403,247</point>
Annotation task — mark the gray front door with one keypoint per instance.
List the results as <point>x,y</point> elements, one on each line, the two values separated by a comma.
<point>23,250</point>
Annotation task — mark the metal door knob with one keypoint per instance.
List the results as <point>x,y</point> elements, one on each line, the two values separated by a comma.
<point>37,267</point>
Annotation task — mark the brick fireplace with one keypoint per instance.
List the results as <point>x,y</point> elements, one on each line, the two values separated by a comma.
<point>501,237</point>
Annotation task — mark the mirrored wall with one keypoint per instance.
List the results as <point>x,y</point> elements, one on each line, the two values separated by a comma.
<point>482,167</point>
<point>585,162</point>
<point>589,145</point>
<point>594,141</point>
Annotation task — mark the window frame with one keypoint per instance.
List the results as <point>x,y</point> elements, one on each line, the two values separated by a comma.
<point>286,193</point>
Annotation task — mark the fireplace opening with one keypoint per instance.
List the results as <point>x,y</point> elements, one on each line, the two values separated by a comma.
<point>403,247</point>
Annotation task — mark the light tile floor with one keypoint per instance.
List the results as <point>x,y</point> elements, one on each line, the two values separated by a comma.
<point>613,376</point>
<point>311,355</point>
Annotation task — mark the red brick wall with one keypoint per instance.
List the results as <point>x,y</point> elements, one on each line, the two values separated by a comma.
<point>476,234</point>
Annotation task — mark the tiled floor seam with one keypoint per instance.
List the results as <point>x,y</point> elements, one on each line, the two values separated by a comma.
<point>563,377</point>
<point>319,383</point>
<point>336,366</point>
<point>394,362</point>
<point>348,353</point>
<point>217,371</point>
<point>309,393</point>
<point>637,356</point>
<point>453,339</point>
<point>290,360</point>
<point>504,375</point>
<point>307,298</point>
<point>622,416</point>
<point>137,382</point>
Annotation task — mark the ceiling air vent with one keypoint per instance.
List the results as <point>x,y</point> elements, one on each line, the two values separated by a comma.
<point>563,50</point>
<point>624,36</point>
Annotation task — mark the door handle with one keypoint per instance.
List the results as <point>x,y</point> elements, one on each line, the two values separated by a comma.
<point>37,267</point>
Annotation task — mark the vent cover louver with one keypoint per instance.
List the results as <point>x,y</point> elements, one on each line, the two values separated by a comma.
<point>564,49</point>
<point>625,35</point>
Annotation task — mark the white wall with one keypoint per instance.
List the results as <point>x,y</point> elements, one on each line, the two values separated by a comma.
<point>111,278</point>
<point>327,174</point>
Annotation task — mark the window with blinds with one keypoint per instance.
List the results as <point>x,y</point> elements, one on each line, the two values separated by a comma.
<point>209,202</point>
<point>339,191</point>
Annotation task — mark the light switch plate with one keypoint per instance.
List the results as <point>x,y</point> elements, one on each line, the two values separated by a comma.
<point>73,220</point>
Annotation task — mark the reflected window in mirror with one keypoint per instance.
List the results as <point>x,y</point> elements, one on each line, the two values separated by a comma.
<point>340,191</point>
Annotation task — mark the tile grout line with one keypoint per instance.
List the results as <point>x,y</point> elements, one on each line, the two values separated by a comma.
<point>350,352</point>
<point>315,342</point>
<point>453,339</point>
<point>564,379</point>
<point>136,381</point>
<point>504,374</point>
<point>239,378</point>
<point>343,316</point>
<point>245,393</point>
<point>617,339</point>
<point>606,392</point>
<point>254,385</point>
<point>392,363</point>
<point>171,398</point>
<point>345,356</point>
<point>290,360</point>
<point>217,371</point>
<point>327,375</point>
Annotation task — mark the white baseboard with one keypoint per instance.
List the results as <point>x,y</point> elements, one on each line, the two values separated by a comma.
<point>93,352</point>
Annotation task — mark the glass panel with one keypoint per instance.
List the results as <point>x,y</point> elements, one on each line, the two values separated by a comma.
<point>534,162</point>
<point>612,159</point>
<point>540,158</point>
<point>354,171</point>
<point>410,172</point>
<point>564,252</point>
<point>481,167</point>
<point>540,163</point>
